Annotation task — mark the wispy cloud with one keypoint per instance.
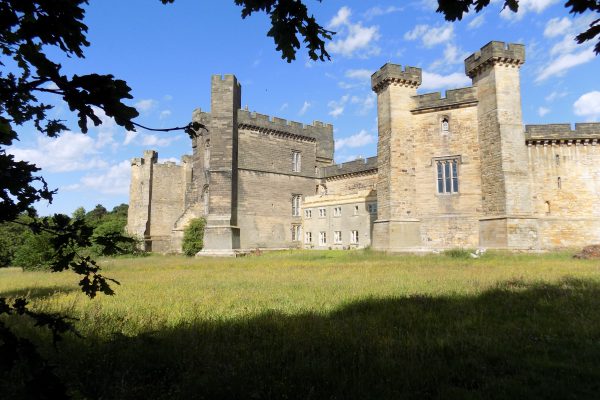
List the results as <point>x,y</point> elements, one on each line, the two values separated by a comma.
<point>429,35</point>
<point>304,108</point>
<point>432,80</point>
<point>359,139</point>
<point>378,11</point>
<point>354,38</point>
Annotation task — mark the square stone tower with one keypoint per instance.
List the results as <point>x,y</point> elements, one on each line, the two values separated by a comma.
<point>506,189</point>
<point>396,226</point>
<point>222,235</point>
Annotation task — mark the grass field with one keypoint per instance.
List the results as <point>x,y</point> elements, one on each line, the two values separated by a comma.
<point>327,325</point>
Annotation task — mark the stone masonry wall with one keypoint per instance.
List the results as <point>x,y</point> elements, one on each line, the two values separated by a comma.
<point>448,220</point>
<point>568,211</point>
<point>266,184</point>
<point>168,194</point>
<point>350,183</point>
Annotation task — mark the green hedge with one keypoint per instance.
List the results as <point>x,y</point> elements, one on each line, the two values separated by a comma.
<point>193,237</point>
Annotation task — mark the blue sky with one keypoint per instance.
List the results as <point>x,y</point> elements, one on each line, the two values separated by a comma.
<point>168,53</point>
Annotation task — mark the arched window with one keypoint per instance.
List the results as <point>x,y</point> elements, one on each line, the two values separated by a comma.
<point>445,125</point>
<point>207,154</point>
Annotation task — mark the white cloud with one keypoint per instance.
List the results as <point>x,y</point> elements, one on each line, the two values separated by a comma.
<point>365,104</point>
<point>341,18</point>
<point>129,136</point>
<point>566,53</point>
<point>360,74</point>
<point>526,6</point>
<point>337,107</point>
<point>436,81</point>
<point>379,11</point>
<point>304,108</point>
<point>165,114</point>
<point>145,105</point>
<point>564,62</point>
<point>555,96</point>
<point>476,22</point>
<point>354,39</point>
<point>115,181</point>
<point>588,106</point>
<point>429,35</point>
<point>169,159</point>
<point>452,55</point>
<point>284,106</point>
<point>156,140</point>
<point>359,139</point>
<point>69,152</point>
<point>557,26</point>
<point>543,111</point>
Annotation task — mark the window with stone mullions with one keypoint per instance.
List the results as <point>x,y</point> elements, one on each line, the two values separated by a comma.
<point>296,202</point>
<point>447,176</point>
<point>296,160</point>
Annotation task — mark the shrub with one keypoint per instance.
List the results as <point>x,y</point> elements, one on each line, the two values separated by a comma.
<point>35,253</point>
<point>193,237</point>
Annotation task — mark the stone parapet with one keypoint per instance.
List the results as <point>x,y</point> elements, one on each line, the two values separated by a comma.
<point>318,132</point>
<point>351,167</point>
<point>512,54</point>
<point>396,75</point>
<point>456,98</point>
<point>562,132</point>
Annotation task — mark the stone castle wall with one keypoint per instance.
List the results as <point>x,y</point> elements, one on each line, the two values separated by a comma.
<point>448,220</point>
<point>564,168</point>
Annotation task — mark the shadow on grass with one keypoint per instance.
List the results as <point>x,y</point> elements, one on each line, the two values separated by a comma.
<point>38,292</point>
<point>516,341</point>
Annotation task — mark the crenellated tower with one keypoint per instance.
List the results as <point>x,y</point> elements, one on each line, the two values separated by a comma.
<point>396,226</point>
<point>506,190</point>
<point>222,236</point>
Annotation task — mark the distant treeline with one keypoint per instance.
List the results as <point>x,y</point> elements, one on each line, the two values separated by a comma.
<point>20,247</point>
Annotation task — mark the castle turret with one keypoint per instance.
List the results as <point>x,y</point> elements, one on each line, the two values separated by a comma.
<point>221,235</point>
<point>140,197</point>
<point>506,191</point>
<point>396,227</point>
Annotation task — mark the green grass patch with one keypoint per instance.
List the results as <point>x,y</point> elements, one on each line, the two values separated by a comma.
<point>328,325</point>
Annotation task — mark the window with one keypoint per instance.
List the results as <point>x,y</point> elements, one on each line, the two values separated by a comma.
<point>296,232</point>
<point>447,176</point>
<point>296,160</point>
<point>559,183</point>
<point>296,202</point>
<point>372,208</point>
<point>355,210</point>
<point>308,237</point>
<point>557,158</point>
<point>337,211</point>
<point>322,238</point>
<point>337,237</point>
<point>322,212</point>
<point>308,213</point>
<point>445,125</point>
<point>354,237</point>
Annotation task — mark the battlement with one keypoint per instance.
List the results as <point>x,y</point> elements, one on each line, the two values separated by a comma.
<point>316,131</point>
<point>495,52</point>
<point>395,74</point>
<point>455,98</point>
<point>562,132</point>
<point>227,79</point>
<point>350,167</point>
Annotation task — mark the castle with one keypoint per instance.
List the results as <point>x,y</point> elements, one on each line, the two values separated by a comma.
<point>453,171</point>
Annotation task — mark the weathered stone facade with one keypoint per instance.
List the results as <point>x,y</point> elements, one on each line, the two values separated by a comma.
<point>453,171</point>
